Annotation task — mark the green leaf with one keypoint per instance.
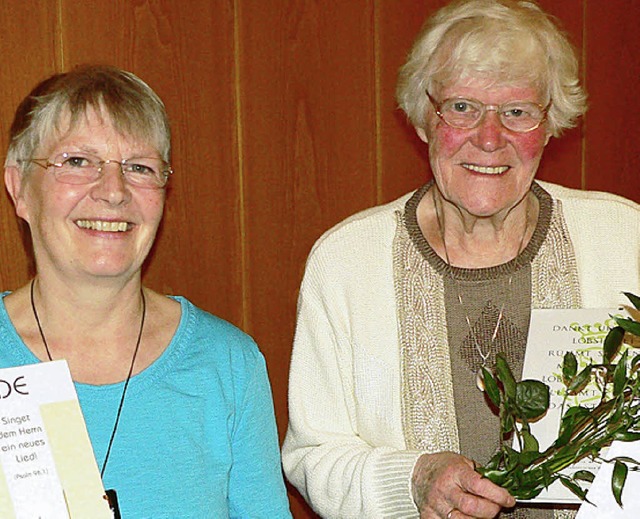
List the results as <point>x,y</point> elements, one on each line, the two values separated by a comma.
<point>566,430</point>
<point>505,376</point>
<point>577,412</point>
<point>494,462</point>
<point>618,480</point>
<point>525,493</point>
<point>508,423</point>
<point>629,325</point>
<point>580,381</point>
<point>584,475</point>
<point>532,399</point>
<point>635,300</point>
<point>496,476</point>
<point>573,486</point>
<point>612,343</point>
<point>512,459</point>
<point>491,386</point>
<point>615,419</point>
<point>625,459</point>
<point>569,368</point>
<point>627,436</point>
<point>528,457</point>
<point>620,375</point>
<point>530,443</point>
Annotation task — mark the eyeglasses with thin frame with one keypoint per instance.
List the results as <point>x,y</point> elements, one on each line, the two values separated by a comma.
<point>517,116</point>
<point>79,168</point>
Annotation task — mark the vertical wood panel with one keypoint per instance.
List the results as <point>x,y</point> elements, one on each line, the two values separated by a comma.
<point>403,156</point>
<point>28,51</point>
<point>185,51</point>
<point>562,160</point>
<point>613,120</point>
<point>307,95</point>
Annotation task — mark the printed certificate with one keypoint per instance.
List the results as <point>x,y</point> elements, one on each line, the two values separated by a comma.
<point>47,466</point>
<point>552,333</point>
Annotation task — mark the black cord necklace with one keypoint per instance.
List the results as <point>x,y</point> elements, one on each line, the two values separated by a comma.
<point>112,497</point>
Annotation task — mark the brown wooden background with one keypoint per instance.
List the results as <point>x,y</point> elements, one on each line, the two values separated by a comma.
<point>284,123</point>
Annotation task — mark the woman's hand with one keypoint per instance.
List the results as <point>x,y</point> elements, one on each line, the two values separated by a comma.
<point>445,485</point>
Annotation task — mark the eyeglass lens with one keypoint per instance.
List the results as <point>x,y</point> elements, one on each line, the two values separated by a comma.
<point>466,113</point>
<point>83,168</point>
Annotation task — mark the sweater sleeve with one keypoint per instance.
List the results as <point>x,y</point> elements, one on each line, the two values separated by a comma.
<point>256,486</point>
<point>339,472</point>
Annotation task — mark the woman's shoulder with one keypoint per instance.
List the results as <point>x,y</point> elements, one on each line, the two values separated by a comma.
<point>211,334</point>
<point>365,229</point>
<point>582,198</point>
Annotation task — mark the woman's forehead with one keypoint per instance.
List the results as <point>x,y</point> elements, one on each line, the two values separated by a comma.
<point>521,89</point>
<point>93,128</point>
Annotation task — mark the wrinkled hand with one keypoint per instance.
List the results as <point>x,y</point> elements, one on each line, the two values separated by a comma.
<point>445,485</point>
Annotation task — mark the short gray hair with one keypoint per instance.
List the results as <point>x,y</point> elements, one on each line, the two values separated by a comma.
<point>502,41</point>
<point>131,105</point>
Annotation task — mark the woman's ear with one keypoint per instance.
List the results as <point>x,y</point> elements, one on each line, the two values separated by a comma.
<point>14,181</point>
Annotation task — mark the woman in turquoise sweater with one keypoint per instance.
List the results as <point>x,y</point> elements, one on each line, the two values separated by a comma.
<point>177,402</point>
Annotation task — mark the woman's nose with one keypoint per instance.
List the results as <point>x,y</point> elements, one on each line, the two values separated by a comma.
<point>490,133</point>
<point>112,186</point>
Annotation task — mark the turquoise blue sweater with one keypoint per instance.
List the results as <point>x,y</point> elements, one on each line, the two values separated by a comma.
<point>197,435</point>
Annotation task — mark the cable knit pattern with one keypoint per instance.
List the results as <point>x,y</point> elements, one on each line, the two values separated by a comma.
<point>554,273</point>
<point>428,415</point>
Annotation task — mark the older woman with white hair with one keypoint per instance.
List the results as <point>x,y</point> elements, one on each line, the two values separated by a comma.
<point>403,304</point>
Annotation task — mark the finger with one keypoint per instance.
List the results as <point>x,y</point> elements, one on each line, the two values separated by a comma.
<point>457,514</point>
<point>475,484</point>
<point>477,507</point>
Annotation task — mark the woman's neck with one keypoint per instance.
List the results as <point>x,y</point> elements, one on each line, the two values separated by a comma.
<point>90,307</point>
<point>94,329</point>
<point>467,241</point>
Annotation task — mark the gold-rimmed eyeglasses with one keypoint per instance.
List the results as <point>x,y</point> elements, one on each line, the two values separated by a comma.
<point>517,116</point>
<point>85,168</point>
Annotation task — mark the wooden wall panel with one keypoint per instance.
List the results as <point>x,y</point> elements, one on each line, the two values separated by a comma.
<point>613,120</point>
<point>307,145</point>
<point>308,153</point>
<point>562,160</point>
<point>28,49</point>
<point>403,158</point>
<point>185,51</point>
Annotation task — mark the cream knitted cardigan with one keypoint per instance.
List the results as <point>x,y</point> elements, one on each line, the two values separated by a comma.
<point>346,449</point>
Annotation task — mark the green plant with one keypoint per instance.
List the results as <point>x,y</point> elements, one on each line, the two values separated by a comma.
<point>583,431</point>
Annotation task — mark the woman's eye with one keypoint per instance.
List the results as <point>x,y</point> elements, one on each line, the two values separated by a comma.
<point>77,162</point>
<point>461,106</point>
<point>515,112</point>
<point>139,169</point>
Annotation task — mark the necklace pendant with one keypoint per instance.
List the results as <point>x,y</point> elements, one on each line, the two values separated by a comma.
<point>112,499</point>
<point>480,381</point>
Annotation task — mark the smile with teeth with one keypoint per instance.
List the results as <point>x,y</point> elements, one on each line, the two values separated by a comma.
<point>102,225</point>
<point>486,170</point>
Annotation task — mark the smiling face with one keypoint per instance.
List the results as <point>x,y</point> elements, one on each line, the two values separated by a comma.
<point>487,170</point>
<point>102,230</point>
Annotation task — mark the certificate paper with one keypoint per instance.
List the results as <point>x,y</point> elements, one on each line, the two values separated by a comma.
<point>553,333</point>
<point>604,505</point>
<point>47,467</point>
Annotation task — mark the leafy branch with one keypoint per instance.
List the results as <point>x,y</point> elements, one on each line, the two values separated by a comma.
<point>583,432</point>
